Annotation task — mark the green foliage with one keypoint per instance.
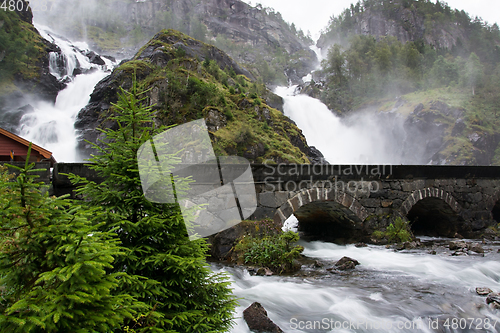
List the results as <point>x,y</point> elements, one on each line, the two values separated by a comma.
<point>271,248</point>
<point>20,48</point>
<point>54,263</point>
<point>180,291</point>
<point>180,52</point>
<point>399,231</point>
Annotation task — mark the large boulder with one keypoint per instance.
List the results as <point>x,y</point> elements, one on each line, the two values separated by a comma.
<point>258,321</point>
<point>346,263</point>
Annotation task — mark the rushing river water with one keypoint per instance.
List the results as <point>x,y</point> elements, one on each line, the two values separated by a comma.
<point>408,291</point>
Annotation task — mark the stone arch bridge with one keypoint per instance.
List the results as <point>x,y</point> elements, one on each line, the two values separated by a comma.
<point>348,202</point>
<point>345,203</point>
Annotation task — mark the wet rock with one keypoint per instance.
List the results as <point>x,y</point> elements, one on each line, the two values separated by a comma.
<point>483,291</point>
<point>418,108</point>
<point>458,128</point>
<point>459,253</point>
<point>495,305</point>
<point>457,245</point>
<point>315,156</point>
<point>411,245</point>
<point>94,58</point>
<point>346,263</point>
<point>258,321</point>
<point>433,252</point>
<point>10,120</point>
<point>361,245</point>
<point>476,247</point>
<point>317,264</point>
<point>252,270</point>
<point>264,271</point>
<point>494,300</point>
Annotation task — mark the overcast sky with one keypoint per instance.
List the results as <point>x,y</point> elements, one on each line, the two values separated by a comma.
<point>313,15</point>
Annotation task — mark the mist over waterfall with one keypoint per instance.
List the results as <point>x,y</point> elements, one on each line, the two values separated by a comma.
<point>52,125</point>
<point>362,138</point>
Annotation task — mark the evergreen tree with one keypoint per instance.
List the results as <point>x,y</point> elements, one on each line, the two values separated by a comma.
<point>54,262</point>
<point>182,293</point>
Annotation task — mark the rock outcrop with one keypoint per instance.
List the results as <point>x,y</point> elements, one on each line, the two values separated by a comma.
<point>186,80</point>
<point>258,321</point>
<point>405,24</point>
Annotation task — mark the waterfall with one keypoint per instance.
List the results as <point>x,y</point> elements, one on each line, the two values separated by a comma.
<point>52,125</point>
<point>366,137</point>
<point>358,139</point>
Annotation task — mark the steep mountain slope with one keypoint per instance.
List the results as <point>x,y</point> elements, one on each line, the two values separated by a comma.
<point>422,22</point>
<point>254,36</point>
<point>432,65</point>
<point>24,67</point>
<point>186,79</point>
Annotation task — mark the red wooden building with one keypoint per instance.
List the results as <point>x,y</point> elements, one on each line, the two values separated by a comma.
<point>14,148</point>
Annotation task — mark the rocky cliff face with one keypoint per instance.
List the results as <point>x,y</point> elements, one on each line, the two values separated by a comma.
<point>404,23</point>
<point>248,34</point>
<point>185,80</point>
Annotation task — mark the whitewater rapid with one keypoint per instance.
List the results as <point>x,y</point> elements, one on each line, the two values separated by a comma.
<point>389,289</point>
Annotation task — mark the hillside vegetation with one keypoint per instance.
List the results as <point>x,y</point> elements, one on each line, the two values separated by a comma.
<point>21,50</point>
<point>421,59</point>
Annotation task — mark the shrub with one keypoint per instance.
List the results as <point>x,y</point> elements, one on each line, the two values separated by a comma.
<point>271,248</point>
<point>399,232</point>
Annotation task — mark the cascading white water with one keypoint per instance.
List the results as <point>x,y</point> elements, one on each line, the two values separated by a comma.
<point>52,125</point>
<point>387,288</point>
<point>387,291</point>
<point>359,142</point>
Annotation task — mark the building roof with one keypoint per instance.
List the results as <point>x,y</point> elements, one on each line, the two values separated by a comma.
<point>44,152</point>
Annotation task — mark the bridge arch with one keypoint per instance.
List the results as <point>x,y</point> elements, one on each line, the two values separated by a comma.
<point>324,214</point>
<point>433,212</point>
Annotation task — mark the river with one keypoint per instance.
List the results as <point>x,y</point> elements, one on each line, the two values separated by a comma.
<point>390,291</point>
